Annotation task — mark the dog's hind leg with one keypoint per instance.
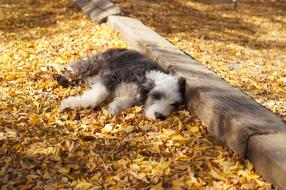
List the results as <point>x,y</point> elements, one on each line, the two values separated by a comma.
<point>119,104</point>
<point>91,98</point>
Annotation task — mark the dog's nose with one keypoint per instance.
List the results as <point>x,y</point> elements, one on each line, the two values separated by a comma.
<point>160,116</point>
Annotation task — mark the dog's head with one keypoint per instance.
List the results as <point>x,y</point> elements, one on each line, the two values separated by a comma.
<point>164,97</point>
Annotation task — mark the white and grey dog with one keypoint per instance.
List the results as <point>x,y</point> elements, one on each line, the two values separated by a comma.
<point>128,78</point>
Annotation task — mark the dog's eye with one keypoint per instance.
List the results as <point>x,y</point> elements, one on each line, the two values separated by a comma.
<point>156,96</point>
<point>175,104</point>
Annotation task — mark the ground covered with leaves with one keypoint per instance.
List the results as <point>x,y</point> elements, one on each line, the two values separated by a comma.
<point>42,148</point>
<point>246,47</point>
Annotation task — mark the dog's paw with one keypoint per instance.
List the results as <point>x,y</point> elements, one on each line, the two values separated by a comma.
<point>113,109</point>
<point>63,105</point>
<point>66,103</point>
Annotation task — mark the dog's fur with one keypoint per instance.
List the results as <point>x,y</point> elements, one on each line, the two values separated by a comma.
<point>129,78</point>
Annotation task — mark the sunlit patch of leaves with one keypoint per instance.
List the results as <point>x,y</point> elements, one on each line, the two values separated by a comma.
<point>41,147</point>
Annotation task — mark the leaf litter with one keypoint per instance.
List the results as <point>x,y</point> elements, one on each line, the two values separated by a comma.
<point>42,148</point>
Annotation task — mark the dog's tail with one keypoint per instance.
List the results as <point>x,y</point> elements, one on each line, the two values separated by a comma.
<point>73,73</point>
<point>84,68</point>
<point>77,71</point>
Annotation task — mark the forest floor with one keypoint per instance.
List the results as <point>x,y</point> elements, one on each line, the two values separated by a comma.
<point>245,47</point>
<point>42,148</point>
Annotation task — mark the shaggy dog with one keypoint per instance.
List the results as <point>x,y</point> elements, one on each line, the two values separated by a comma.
<point>128,78</point>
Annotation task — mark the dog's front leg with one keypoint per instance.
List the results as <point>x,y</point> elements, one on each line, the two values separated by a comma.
<point>119,104</point>
<point>91,98</point>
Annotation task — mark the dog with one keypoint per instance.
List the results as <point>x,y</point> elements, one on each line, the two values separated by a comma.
<point>128,78</point>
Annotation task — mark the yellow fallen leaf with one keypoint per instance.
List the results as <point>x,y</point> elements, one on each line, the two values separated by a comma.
<point>137,109</point>
<point>216,174</point>
<point>194,129</point>
<point>64,170</point>
<point>157,187</point>
<point>83,185</point>
<point>130,116</point>
<point>31,177</point>
<point>179,138</point>
<point>107,128</point>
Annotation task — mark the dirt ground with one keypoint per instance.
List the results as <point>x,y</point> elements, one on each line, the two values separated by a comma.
<point>43,148</point>
<point>246,47</point>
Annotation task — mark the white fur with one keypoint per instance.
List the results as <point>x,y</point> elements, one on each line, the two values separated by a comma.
<point>91,98</point>
<point>159,77</point>
<point>124,97</point>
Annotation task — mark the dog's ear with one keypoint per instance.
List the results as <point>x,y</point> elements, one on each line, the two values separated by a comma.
<point>182,87</point>
<point>145,88</point>
<point>148,85</point>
